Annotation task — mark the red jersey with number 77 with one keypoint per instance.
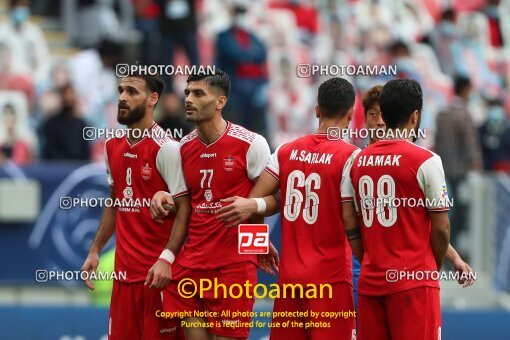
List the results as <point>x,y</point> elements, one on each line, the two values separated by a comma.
<point>222,169</point>
<point>314,245</point>
<point>397,184</point>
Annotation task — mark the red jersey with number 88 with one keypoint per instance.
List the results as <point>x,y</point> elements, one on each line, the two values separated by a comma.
<point>397,184</point>
<point>314,245</point>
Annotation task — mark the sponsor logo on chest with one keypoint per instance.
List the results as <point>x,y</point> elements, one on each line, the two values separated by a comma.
<point>130,155</point>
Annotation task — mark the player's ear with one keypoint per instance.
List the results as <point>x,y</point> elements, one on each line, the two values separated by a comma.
<point>317,111</point>
<point>221,102</point>
<point>415,117</point>
<point>350,113</point>
<point>153,99</point>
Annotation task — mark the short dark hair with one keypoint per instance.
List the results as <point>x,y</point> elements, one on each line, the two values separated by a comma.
<point>399,99</point>
<point>371,97</point>
<point>218,79</point>
<point>460,83</point>
<point>154,82</point>
<point>335,97</point>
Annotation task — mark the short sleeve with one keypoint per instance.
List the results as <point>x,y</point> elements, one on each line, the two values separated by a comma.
<point>109,177</point>
<point>169,165</point>
<point>432,182</point>
<point>273,166</point>
<point>257,156</point>
<point>346,188</point>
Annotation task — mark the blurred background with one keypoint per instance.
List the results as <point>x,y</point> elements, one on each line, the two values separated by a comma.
<point>57,75</point>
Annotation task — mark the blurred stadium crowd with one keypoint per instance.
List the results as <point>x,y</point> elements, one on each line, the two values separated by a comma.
<point>458,50</point>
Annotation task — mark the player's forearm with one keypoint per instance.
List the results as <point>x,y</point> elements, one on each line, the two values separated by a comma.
<point>266,186</point>
<point>180,225</point>
<point>357,249</point>
<point>105,231</point>
<point>272,205</point>
<point>451,254</point>
<point>440,239</point>
<point>352,229</point>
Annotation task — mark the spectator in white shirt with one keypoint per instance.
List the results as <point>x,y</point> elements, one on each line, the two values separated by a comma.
<point>26,41</point>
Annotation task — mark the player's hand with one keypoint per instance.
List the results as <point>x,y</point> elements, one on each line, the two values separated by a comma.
<point>269,262</point>
<point>89,266</point>
<point>238,211</point>
<point>462,267</point>
<point>161,204</point>
<point>161,275</point>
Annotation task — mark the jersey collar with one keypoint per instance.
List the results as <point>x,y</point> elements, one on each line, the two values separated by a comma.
<point>217,139</point>
<point>144,135</point>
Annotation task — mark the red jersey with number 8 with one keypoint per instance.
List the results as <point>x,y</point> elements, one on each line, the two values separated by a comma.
<point>137,172</point>
<point>314,245</point>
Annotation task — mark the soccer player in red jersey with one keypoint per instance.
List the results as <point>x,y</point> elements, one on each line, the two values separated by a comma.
<point>136,169</point>
<point>399,237</point>
<point>219,160</point>
<point>374,122</point>
<point>308,173</point>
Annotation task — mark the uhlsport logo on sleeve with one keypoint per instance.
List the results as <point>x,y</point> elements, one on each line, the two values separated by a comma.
<point>253,238</point>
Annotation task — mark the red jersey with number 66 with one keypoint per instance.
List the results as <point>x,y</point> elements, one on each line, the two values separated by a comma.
<point>397,184</point>
<point>314,245</point>
<point>225,168</point>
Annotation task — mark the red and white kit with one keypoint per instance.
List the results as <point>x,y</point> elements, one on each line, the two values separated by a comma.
<point>136,172</point>
<point>314,246</point>
<point>397,185</point>
<point>222,169</point>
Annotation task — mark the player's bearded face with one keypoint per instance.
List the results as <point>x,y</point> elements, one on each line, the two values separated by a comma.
<point>129,116</point>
